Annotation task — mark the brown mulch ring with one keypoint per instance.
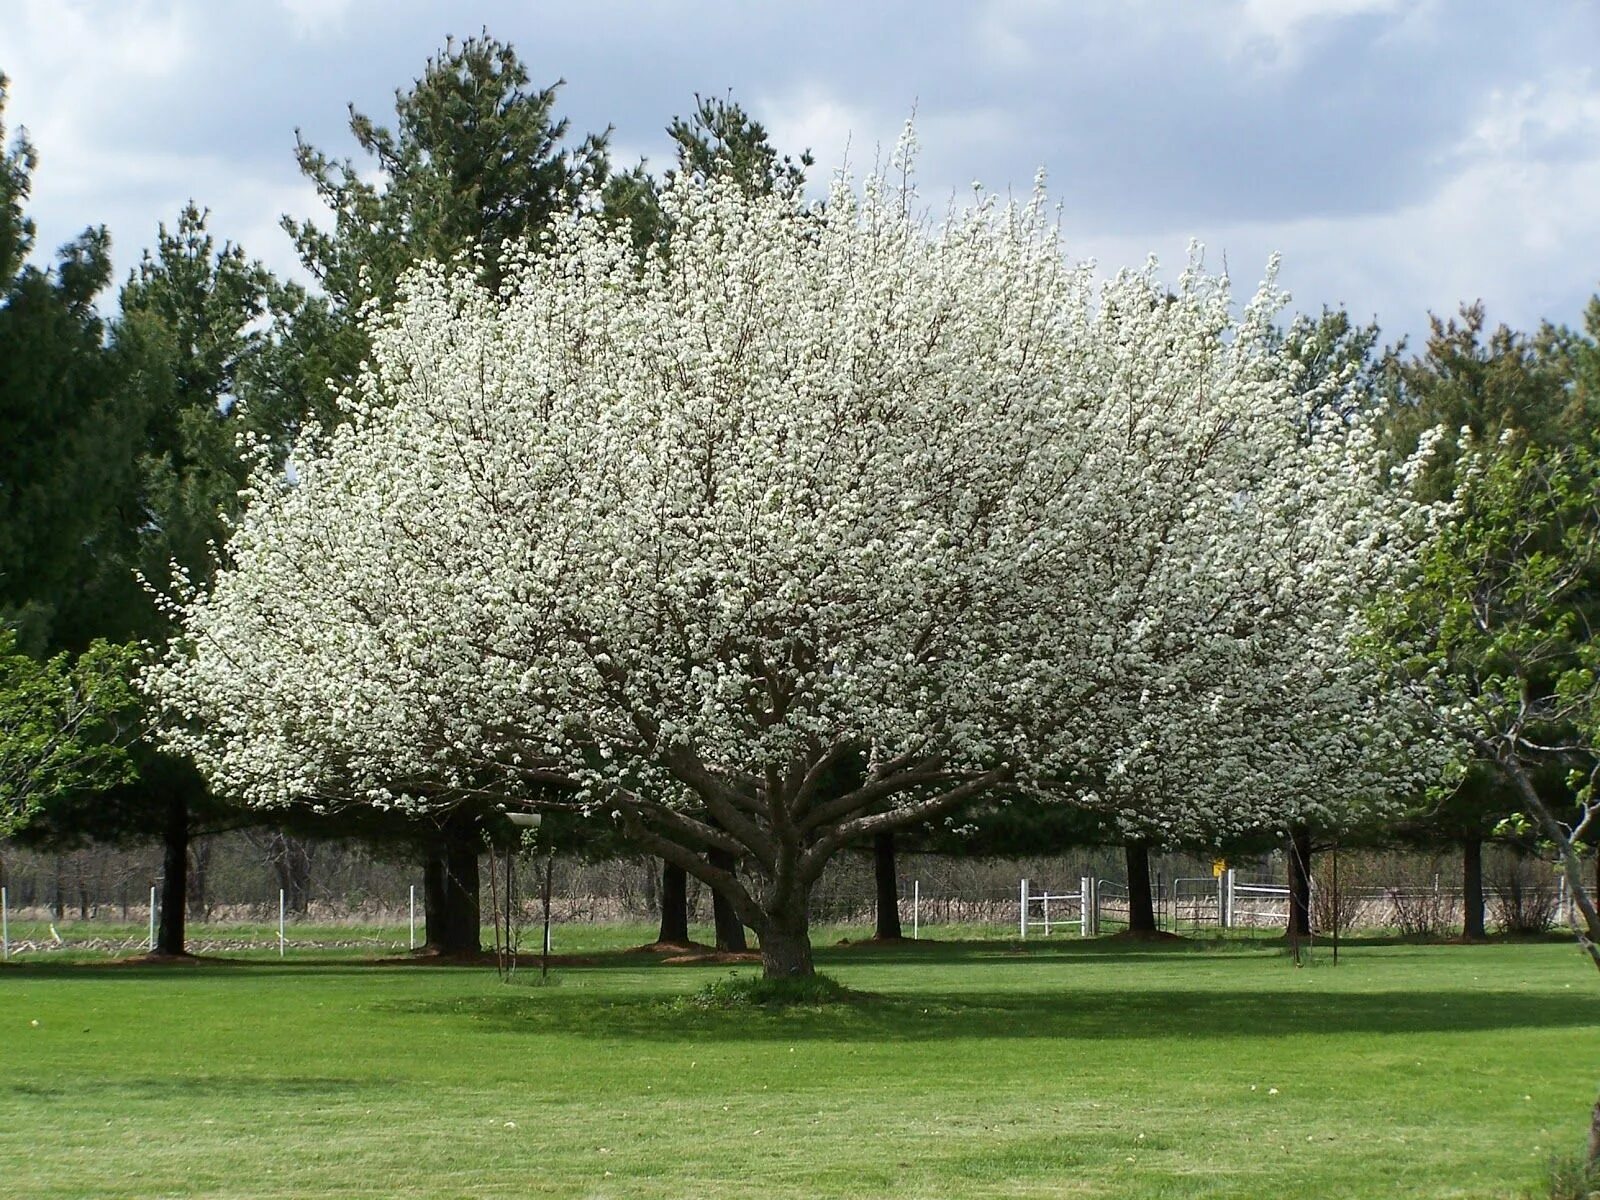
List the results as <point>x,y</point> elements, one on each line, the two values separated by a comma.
<point>712,958</point>
<point>677,948</point>
<point>484,958</point>
<point>1155,935</point>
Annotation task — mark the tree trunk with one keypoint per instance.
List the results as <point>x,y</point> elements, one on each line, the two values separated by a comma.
<point>1472,928</point>
<point>674,904</point>
<point>883,871</point>
<point>174,878</point>
<point>786,943</point>
<point>199,864</point>
<point>1299,882</point>
<point>450,889</point>
<point>291,863</point>
<point>730,930</point>
<point>1141,904</point>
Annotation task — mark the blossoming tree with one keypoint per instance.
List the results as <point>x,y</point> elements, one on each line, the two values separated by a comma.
<point>798,531</point>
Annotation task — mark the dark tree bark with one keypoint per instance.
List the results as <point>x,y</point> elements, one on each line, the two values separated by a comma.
<point>883,871</point>
<point>450,888</point>
<point>674,904</point>
<point>1299,882</point>
<point>1141,903</point>
<point>730,929</point>
<point>786,944</point>
<point>170,933</point>
<point>1472,927</point>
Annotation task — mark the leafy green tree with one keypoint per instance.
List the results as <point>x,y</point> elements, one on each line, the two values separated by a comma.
<point>1496,637</point>
<point>1497,632</point>
<point>1476,385</point>
<point>64,725</point>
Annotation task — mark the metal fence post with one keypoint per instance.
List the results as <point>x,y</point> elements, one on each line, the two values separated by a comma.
<point>916,909</point>
<point>280,922</point>
<point>5,923</point>
<point>413,938</point>
<point>1022,909</point>
<point>152,920</point>
<point>1085,906</point>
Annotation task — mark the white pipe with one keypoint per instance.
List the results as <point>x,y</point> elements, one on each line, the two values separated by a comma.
<point>1022,909</point>
<point>916,908</point>
<point>413,916</point>
<point>152,920</point>
<point>5,925</point>
<point>280,922</point>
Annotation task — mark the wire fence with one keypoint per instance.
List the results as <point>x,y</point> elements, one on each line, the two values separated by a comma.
<point>349,898</point>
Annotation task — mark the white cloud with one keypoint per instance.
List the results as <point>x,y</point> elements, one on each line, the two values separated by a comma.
<point>315,20</point>
<point>811,117</point>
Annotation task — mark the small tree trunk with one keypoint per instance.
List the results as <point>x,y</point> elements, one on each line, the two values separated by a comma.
<point>291,862</point>
<point>199,865</point>
<point>674,904</point>
<point>730,930</point>
<point>1299,882</point>
<point>174,878</point>
<point>786,944</point>
<point>1593,1158</point>
<point>1472,928</point>
<point>884,874</point>
<point>1141,904</point>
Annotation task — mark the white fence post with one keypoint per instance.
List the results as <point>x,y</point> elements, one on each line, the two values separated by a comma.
<point>916,909</point>
<point>5,923</point>
<point>280,922</point>
<point>413,945</point>
<point>1085,906</point>
<point>1022,907</point>
<point>152,920</point>
<point>1227,894</point>
<point>1045,899</point>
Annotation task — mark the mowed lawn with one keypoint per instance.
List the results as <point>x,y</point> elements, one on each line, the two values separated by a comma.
<point>1067,1069</point>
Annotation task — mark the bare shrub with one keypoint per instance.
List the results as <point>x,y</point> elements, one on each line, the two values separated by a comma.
<point>1337,909</point>
<point>1418,906</point>
<point>1523,899</point>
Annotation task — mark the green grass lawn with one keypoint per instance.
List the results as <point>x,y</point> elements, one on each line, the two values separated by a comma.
<point>1069,1069</point>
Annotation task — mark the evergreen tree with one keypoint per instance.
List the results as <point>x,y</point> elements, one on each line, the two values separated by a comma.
<point>477,158</point>
<point>65,459</point>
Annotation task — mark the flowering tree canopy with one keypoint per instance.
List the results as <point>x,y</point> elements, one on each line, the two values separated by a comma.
<point>814,523</point>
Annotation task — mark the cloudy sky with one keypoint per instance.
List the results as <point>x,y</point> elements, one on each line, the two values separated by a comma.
<point>1402,156</point>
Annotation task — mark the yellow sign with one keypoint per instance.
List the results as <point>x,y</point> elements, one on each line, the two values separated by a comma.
<point>1218,867</point>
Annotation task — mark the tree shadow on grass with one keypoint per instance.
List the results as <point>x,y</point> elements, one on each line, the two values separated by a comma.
<point>1080,1015</point>
<point>190,1087</point>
